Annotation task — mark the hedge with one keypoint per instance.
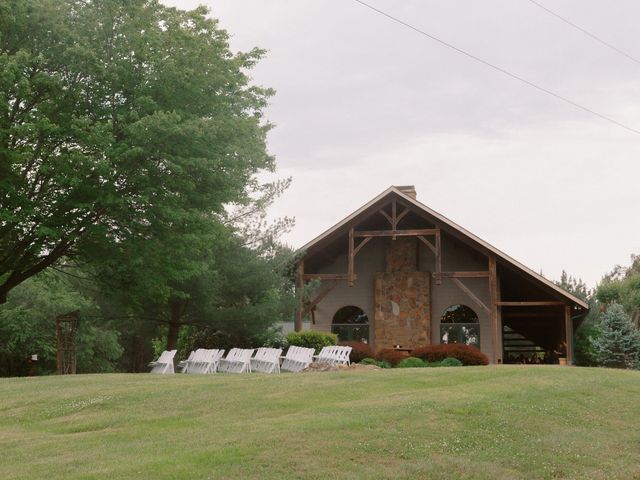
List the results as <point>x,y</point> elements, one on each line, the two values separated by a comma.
<point>315,340</point>
<point>359,351</point>
<point>392,356</point>
<point>467,354</point>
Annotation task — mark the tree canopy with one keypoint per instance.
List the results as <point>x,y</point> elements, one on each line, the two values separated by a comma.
<point>119,122</point>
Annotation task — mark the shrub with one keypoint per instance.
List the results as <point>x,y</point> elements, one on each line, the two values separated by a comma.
<point>359,351</point>
<point>377,363</point>
<point>618,345</point>
<point>450,362</point>
<point>467,354</point>
<point>368,361</point>
<point>315,340</point>
<point>392,356</point>
<point>411,362</point>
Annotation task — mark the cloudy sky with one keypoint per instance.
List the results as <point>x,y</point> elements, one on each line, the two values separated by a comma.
<point>363,103</point>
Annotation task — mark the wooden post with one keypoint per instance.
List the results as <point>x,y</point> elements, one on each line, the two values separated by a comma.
<point>493,307</point>
<point>299,300</point>
<point>394,216</point>
<point>351,266</point>
<point>438,257</point>
<point>568,328</point>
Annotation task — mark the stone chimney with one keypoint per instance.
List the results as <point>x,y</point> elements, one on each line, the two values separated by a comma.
<point>409,190</point>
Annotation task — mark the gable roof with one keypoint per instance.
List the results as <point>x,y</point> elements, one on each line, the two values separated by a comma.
<point>444,220</point>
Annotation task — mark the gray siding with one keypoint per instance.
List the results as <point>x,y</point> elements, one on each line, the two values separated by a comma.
<point>371,259</point>
<point>368,262</point>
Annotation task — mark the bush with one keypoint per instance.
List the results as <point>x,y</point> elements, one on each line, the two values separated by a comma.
<point>467,354</point>
<point>368,361</point>
<point>359,351</point>
<point>315,340</point>
<point>392,356</point>
<point>411,362</point>
<point>450,362</point>
<point>618,345</point>
<point>377,363</point>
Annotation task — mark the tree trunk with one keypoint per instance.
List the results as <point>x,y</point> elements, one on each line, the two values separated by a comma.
<point>172,336</point>
<point>174,324</point>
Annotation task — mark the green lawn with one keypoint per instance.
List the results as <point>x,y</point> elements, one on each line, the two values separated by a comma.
<point>437,423</point>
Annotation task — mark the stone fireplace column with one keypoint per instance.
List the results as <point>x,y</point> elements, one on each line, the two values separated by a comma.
<point>402,298</point>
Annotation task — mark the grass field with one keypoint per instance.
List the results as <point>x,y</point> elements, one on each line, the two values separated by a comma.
<point>437,423</point>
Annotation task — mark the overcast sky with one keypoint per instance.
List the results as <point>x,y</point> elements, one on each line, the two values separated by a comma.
<point>363,103</point>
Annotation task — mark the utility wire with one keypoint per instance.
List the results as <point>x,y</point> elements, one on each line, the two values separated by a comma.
<point>585,31</point>
<point>499,69</point>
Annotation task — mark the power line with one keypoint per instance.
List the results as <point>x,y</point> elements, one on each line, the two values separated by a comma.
<point>585,31</point>
<point>499,69</point>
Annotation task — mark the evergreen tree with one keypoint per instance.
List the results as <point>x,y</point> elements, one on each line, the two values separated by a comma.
<point>618,344</point>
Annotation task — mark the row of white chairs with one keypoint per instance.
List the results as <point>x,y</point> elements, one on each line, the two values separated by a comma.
<point>201,361</point>
<point>242,360</point>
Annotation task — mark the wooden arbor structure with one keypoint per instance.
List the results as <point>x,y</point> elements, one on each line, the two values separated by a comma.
<point>66,328</point>
<point>399,211</point>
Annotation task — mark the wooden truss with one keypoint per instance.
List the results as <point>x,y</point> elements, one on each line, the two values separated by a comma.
<point>431,237</point>
<point>394,232</point>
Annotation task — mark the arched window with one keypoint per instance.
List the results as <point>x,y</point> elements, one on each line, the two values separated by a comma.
<point>460,324</point>
<point>351,324</point>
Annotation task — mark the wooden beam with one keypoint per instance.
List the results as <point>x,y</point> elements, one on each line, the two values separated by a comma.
<point>550,303</point>
<point>427,243</point>
<point>471,295</point>
<point>324,291</point>
<point>394,225</point>
<point>386,215</point>
<point>298,324</point>
<point>568,328</point>
<point>493,302</point>
<point>396,233</point>
<point>438,256</point>
<point>465,274</point>
<point>351,264</point>
<point>326,276</point>
<point>364,241</point>
<point>401,216</point>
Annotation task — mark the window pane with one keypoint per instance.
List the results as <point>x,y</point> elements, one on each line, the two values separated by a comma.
<point>459,314</point>
<point>359,333</point>
<point>350,314</point>
<point>466,334</point>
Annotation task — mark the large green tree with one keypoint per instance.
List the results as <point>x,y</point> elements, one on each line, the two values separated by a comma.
<point>120,122</point>
<point>622,286</point>
<point>238,282</point>
<point>27,326</point>
<point>584,336</point>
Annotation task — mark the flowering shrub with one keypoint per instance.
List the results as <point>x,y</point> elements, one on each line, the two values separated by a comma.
<point>392,356</point>
<point>359,351</point>
<point>467,354</point>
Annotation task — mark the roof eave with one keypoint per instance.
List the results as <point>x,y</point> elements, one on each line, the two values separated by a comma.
<point>456,227</point>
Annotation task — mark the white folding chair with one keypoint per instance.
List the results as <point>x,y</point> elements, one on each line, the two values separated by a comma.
<point>238,360</point>
<point>297,358</point>
<point>266,360</point>
<point>164,363</point>
<point>184,364</point>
